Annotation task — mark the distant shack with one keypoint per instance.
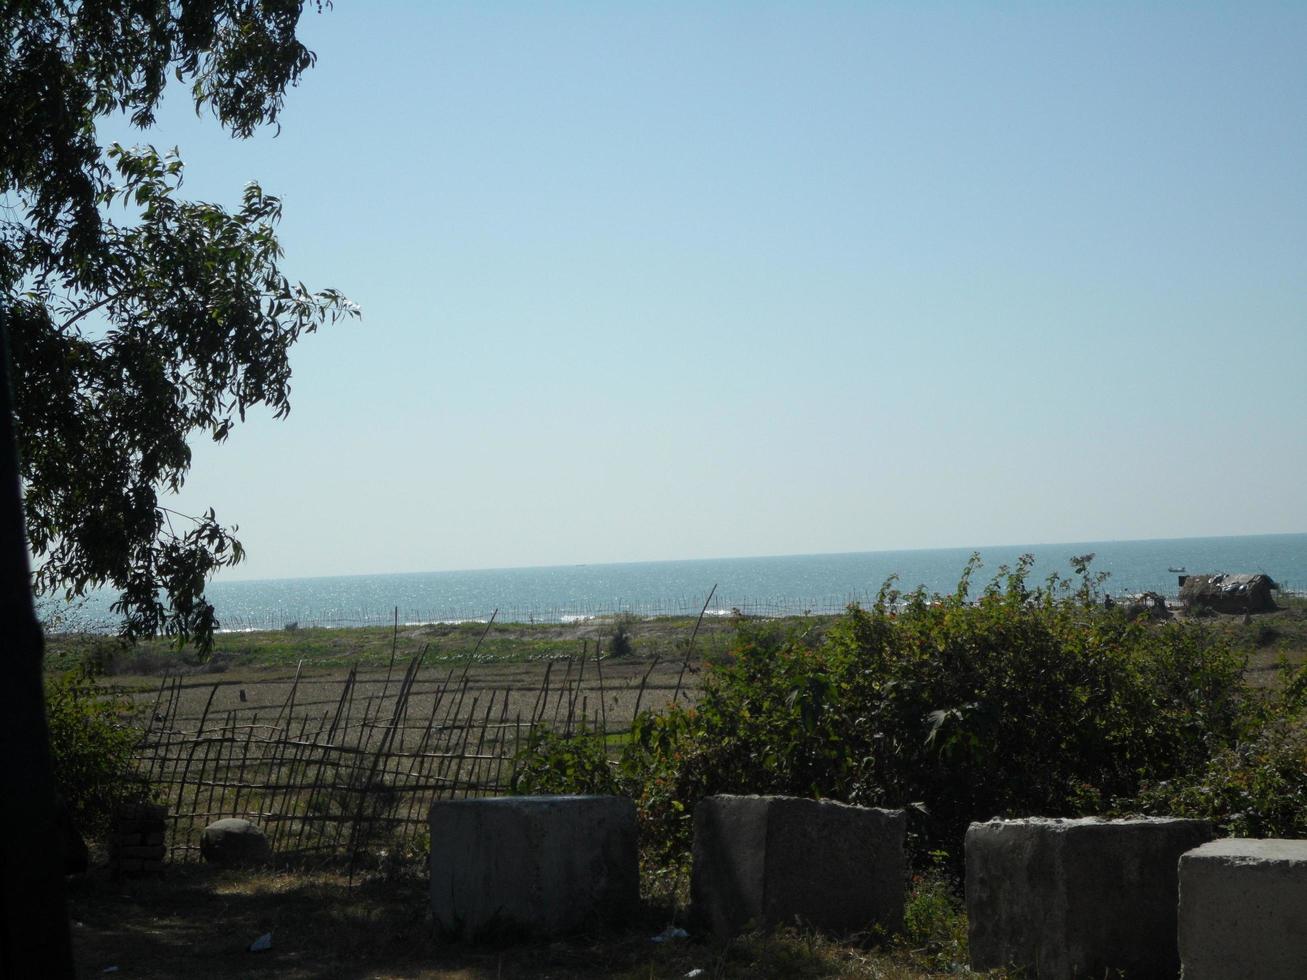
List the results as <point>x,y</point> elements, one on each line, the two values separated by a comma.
<point>1228,593</point>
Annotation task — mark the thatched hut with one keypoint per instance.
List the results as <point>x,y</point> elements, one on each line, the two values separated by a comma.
<point>1228,593</point>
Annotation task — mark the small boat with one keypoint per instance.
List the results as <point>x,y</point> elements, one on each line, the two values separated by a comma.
<point>1174,569</point>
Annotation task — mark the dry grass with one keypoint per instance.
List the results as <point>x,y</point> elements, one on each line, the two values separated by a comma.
<point>372,646</point>
<point>262,691</point>
<point>197,923</point>
<point>1270,639</point>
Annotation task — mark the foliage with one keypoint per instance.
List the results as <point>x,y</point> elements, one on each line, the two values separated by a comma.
<point>1020,701</point>
<point>130,336</point>
<point>935,919</point>
<point>567,762</point>
<point>92,752</point>
<point>622,643</point>
<point>1256,787</point>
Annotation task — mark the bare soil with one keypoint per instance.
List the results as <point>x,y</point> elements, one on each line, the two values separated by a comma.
<point>608,691</point>
<point>198,923</point>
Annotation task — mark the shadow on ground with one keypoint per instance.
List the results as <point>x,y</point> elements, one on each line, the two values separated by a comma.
<point>196,923</point>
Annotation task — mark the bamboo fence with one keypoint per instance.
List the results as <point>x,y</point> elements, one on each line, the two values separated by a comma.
<point>336,778</point>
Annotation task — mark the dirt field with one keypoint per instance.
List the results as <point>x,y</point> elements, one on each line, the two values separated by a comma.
<point>197,923</point>
<point>374,646</point>
<point>606,688</point>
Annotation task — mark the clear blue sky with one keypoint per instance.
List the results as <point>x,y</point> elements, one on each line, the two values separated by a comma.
<point>706,280</point>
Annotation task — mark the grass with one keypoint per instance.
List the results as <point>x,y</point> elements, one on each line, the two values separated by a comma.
<point>1269,639</point>
<point>371,646</point>
<point>198,922</point>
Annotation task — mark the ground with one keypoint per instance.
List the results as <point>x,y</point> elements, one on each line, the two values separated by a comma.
<point>1270,639</point>
<point>373,646</point>
<point>197,923</point>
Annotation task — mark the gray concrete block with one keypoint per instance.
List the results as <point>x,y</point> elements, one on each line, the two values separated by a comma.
<point>1243,910</point>
<point>532,866</point>
<point>777,860</point>
<point>1077,898</point>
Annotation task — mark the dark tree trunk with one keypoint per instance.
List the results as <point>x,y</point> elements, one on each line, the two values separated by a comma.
<point>34,941</point>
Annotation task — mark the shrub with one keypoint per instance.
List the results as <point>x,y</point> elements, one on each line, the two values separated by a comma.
<point>92,748</point>
<point>1020,702</point>
<point>622,643</point>
<point>935,920</point>
<point>1256,787</point>
<point>573,762</point>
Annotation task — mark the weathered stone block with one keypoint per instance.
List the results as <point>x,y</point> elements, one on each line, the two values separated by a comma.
<point>234,843</point>
<point>1077,898</point>
<point>143,818</point>
<point>1243,910</point>
<point>774,860</point>
<point>532,866</point>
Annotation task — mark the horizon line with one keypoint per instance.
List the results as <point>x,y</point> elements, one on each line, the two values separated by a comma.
<point>760,557</point>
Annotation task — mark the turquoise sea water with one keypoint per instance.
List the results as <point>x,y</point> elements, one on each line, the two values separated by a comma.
<point>767,586</point>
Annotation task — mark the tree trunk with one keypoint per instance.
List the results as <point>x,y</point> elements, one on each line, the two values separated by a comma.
<point>34,938</point>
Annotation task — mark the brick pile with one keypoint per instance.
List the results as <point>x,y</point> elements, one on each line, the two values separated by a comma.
<point>136,845</point>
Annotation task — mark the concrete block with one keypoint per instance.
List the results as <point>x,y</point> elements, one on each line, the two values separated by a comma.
<point>1243,910</point>
<point>777,860</point>
<point>1077,898</point>
<point>532,866</point>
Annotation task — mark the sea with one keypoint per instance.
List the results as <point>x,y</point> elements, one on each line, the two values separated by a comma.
<point>768,586</point>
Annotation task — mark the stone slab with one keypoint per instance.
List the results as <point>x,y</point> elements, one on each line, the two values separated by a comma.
<point>1243,910</point>
<point>765,861</point>
<point>532,866</point>
<point>1076,898</point>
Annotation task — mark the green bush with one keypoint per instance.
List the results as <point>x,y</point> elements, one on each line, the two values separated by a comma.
<point>574,762</point>
<point>935,920</point>
<point>1018,702</point>
<point>92,746</point>
<point>1256,787</point>
<point>622,643</point>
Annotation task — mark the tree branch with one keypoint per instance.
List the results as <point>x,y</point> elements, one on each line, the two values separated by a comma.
<point>90,309</point>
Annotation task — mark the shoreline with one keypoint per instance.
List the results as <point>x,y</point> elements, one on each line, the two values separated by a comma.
<point>777,609</point>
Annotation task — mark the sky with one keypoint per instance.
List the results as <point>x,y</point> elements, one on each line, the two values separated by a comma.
<point>708,280</point>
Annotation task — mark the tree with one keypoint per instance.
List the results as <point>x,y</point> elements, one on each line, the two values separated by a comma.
<point>130,333</point>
